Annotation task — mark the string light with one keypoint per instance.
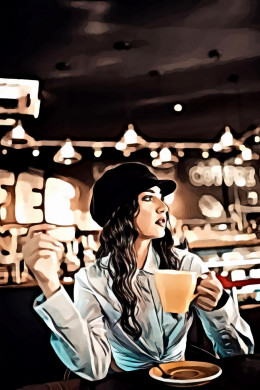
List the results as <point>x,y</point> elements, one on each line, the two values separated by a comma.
<point>247,154</point>
<point>35,152</point>
<point>98,153</point>
<point>154,154</point>
<point>217,147</point>
<point>120,146</point>
<point>205,154</point>
<point>177,107</point>
<point>156,162</point>
<point>180,153</point>
<point>130,143</point>
<point>238,161</point>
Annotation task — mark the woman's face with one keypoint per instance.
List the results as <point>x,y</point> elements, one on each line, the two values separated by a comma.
<point>151,219</point>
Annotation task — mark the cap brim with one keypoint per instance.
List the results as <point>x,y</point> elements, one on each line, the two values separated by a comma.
<point>166,186</point>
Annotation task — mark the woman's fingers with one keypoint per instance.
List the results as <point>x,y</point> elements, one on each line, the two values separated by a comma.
<point>39,244</point>
<point>43,254</point>
<point>205,303</point>
<point>40,228</point>
<point>46,243</point>
<point>209,293</point>
<point>210,290</point>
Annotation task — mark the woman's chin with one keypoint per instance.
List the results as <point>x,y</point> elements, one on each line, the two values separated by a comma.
<point>160,234</point>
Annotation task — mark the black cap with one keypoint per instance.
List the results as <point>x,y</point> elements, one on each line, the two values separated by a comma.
<point>120,184</point>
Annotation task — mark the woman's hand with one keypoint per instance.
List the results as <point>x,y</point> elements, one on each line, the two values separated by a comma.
<point>42,255</point>
<point>210,291</point>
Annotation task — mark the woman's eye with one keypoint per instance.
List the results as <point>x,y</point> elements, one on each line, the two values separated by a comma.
<point>147,198</point>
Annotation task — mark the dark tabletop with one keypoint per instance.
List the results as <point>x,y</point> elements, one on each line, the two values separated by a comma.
<point>239,372</point>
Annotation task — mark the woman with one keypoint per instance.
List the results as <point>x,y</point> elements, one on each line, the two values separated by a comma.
<point>116,320</point>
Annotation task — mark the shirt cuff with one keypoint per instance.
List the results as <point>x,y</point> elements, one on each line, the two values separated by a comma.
<point>223,300</point>
<point>219,315</point>
<point>56,308</point>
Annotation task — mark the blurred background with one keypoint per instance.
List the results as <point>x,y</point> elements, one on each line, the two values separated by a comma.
<point>86,85</point>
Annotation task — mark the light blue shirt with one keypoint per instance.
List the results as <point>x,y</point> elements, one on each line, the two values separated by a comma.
<point>85,333</point>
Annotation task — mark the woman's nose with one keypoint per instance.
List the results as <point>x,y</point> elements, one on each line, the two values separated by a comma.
<point>161,207</point>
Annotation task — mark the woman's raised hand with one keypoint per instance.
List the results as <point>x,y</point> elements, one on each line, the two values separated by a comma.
<point>42,255</point>
<point>210,291</point>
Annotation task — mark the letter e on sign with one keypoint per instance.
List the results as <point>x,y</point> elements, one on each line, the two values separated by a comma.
<point>27,200</point>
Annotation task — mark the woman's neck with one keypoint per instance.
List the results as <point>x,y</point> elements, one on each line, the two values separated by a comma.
<point>141,249</point>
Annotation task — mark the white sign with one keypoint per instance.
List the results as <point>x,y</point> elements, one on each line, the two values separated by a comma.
<point>208,175</point>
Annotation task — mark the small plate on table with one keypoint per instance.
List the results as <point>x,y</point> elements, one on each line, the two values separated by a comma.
<point>186,373</point>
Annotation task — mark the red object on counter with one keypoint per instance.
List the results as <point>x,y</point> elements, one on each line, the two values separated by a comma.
<point>227,283</point>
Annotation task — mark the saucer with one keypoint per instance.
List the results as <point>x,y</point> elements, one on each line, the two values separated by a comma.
<point>186,373</point>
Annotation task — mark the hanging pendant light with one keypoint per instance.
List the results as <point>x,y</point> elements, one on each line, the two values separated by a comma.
<point>130,136</point>
<point>17,138</point>
<point>227,138</point>
<point>67,154</point>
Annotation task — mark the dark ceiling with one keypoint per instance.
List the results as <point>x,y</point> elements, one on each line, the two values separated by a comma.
<point>103,64</point>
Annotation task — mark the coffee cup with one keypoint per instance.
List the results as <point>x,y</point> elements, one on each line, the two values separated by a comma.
<point>176,289</point>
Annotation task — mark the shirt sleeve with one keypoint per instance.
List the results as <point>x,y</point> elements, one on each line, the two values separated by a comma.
<point>78,334</point>
<point>228,332</point>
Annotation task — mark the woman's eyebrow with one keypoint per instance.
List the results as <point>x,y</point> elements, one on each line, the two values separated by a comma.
<point>153,192</point>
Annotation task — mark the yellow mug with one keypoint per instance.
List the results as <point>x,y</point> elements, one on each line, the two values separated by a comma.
<point>176,289</point>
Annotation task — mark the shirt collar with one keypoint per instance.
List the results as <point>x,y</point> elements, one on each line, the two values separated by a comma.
<point>152,261</point>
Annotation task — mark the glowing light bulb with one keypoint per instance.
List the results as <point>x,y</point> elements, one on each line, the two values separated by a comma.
<point>181,153</point>
<point>130,136</point>
<point>165,155</point>
<point>247,154</point>
<point>67,150</point>
<point>156,162</point>
<point>177,107</point>
<point>18,131</point>
<point>238,161</point>
<point>35,152</point>
<point>205,154</point>
<point>257,138</point>
<point>67,161</point>
<point>120,146</point>
<point>227,137</point>
<point>217,147</point>
<point>97,153</point>
<point>154,154</point>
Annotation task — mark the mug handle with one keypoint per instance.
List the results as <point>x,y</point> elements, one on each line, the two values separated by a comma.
<point>194,296</point>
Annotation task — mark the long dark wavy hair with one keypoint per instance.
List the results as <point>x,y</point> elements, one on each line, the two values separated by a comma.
<point>117,240</point>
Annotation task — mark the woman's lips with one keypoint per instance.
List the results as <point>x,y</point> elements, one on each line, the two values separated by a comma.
<point>161,222</point>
